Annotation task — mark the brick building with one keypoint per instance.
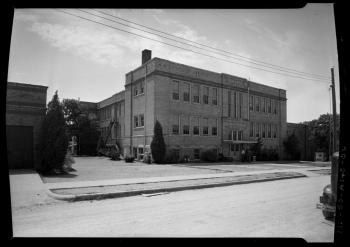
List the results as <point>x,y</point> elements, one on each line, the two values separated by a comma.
<point>25,111</point>
<point>198,110</point>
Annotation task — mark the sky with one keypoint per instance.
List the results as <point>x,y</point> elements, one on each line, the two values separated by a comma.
<point>88,61</point>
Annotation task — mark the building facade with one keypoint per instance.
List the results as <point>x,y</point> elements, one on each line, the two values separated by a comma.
<point>25,112</point>
<point>198,110</point>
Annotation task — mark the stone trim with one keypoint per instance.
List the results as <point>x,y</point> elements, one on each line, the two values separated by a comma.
<point>24,103</point>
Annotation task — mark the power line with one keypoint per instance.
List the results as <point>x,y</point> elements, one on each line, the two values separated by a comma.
<point>312,79</point>
<point>257,62</point>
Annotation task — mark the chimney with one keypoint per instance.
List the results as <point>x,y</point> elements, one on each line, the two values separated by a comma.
<point>146,55</point>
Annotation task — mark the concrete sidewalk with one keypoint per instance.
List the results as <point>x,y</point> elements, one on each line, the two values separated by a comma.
<point>89,190</point>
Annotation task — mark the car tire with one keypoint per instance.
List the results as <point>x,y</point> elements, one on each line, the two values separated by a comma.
<point>327,214</point>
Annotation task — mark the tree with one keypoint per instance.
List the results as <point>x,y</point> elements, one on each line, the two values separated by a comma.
<point>319,133</point>
<point>158,145</point>
<point>292,148</point>
<point>78,124</point>
<point>53,141</point>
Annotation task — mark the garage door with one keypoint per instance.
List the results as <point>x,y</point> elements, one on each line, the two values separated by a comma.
<point>19,146</point>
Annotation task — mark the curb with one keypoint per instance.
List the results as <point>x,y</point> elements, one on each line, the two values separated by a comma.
<point>99,196</point>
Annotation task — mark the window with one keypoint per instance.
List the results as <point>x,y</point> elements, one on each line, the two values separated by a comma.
<point>186,130</point>
<point>175,125</point>
<point>205,128</point>
<point>257,131</point>
<point>234,135</point>
<point>232,147</point>
<point>269,105</point>
<point>215,96</point>
<point>206,95</point>
<point>136,92</point>
<point>175,130</point>
<point>141,121</point>
<point>240,104</point>
<point>240,135</point>
<point>251,130</point>
<point>274,131</point>
<point>136,121</point>
<point>185,122</point>
<point>214,128</point>
<point>186,92</point>
<point>257,104</point>
<point>197,73</point>
<point>234,104</point>
<point>275,107</point>
<point>195,124</point>
<point>269,131</point>
<point>142,87</point>
<point>195,93</point>
<point>140,151</point>
<point>263,105</point>
<point>175,90</point>
<point>263,131</point>
<point>196,153</point>
<point>251,103</point>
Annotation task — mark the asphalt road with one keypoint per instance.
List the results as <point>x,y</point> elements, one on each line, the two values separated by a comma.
<point>283,208</point>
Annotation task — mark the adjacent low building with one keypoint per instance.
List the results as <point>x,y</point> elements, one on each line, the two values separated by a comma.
<point>25,112</point>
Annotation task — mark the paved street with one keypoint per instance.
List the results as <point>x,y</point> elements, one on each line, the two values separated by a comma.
<point>284,208</point>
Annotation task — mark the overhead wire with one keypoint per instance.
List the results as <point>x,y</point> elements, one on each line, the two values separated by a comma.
<point>145,37</point>
<point>257,62</point>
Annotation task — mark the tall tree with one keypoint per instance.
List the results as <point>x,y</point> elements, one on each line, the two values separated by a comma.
<point>78,124</point>
<point>158,145</point>
<point>292,148</point>
<point>53,141</point>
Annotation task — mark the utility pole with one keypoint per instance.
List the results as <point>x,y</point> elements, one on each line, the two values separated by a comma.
<point>334,146</point>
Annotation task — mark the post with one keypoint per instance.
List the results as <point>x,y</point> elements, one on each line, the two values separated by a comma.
<point>334,113</point>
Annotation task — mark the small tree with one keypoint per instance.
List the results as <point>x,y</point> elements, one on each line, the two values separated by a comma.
<point>158,145</point>
<point>53,141</point>
<point>291,145</point>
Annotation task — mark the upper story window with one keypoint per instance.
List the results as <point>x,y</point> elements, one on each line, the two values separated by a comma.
<point>251,129</point>
<point>240,135</point>
<point>234,104</point>
<point>195,93</point>
<point>269,105</point>
<point>205,127</point>
<point>185,122</point>
<point>136,90</point>
<point>175,90</point>
<point>234,135</point>
<point>195,124</point>
<point>240,104</point>
<point>274,131</point>
<point>257,130</point>
<point>257,104</point>
<point>263,106</point>
<point>269,131</point>
<point>175,124</point>
<point>206,95</point>
<point>251,103</point>
<point>214,128</point>
<point>214,96</point>
<point>142,86</point>
<point>275,106</point>
<point>139,121</point>
<point>186,92</point>
<point>197,73</point>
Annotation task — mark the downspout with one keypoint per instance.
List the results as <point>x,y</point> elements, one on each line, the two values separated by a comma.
<point>144,116</point>
<point>131,113</point>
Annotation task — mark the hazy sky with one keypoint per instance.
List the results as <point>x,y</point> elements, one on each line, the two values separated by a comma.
<point>86,60</point>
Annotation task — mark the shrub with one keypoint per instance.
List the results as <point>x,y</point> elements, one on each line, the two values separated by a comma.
<point>114,155</point>
<point>209,155</point>
<point>68,161</point>
<point>129,159</point>
<point>268,155</point>
<point>172,157</point>
<point>158,145</point>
